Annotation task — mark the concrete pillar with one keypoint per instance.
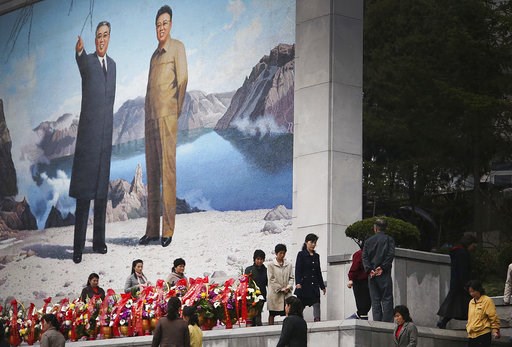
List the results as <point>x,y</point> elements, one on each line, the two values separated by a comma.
<point>327,158</point>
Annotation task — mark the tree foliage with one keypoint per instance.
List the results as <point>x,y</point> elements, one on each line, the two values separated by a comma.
<point>436,114</point>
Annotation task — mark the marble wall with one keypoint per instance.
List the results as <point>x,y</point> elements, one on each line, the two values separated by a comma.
<point>349,333</point>
<point>420,281</point>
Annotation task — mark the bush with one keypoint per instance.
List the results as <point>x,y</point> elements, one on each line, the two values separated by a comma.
<point>483,264</point>
<point>405,234</point>
<point>504,258</point>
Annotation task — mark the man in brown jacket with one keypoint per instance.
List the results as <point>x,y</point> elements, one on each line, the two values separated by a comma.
<point>167,83</point>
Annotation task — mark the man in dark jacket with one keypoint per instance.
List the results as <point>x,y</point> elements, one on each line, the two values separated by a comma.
<point>91,163</point>
<point>378,255</point>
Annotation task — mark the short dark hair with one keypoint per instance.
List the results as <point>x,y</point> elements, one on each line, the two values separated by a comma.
<point>52,319</point>
<point>476,285</point>
<point>467,240</point>
<point>102,23</point>
<point>381,224</point>
<point>178,262</point>
<point>173,308</point>
<point>404,312</point>
<point>296,307</point>
<point>91,276</point>
<point>190,312</point>
<point>162,10</point>
<point>258,254</point>
<point>279,248</point>
<point>134,263</point>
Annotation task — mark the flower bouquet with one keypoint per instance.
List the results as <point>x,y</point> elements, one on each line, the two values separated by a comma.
<point>122,316</point>
<point>255,299</point>
<point>201,295</point>
<point>30,327</point>
<point>105,314</point>
<point>14,323</point>
<point>226,304</point>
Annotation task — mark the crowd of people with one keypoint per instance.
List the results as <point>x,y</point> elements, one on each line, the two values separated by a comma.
<point>285,288</point>
<point>288,289</point>
<point>370,278</point>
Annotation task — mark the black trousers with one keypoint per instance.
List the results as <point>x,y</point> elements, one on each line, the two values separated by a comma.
<point>481,341</point>
<point>362,296</point>
<point>81,217</point>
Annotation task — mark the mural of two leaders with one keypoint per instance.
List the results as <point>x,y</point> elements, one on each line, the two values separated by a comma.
<point>127,140</point>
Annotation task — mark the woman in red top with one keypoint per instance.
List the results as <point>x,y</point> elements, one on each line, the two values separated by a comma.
<point>358,280</point>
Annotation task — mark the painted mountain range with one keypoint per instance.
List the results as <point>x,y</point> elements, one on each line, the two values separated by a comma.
<point>263,104</point>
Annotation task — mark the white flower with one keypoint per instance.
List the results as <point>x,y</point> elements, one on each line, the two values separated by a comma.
<point>111,324</point>
<point>216,304</point>
<point>250,290</point>
<point>260,297</point>
<point>122,322</point>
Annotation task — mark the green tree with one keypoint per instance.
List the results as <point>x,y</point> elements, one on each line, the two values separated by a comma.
<point>436,77</point>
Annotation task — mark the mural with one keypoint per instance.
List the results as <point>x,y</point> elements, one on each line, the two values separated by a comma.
<point>234,144</point>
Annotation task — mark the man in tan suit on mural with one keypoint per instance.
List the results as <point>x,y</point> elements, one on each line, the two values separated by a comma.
<point>167,83</point>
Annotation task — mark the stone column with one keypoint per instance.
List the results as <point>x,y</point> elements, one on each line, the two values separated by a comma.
<point>327,158</point>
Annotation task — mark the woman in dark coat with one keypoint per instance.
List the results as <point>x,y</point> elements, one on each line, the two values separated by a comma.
<point>295,330</point>
<point>308,276</point>
<point>455,306</point>
<point>92,288</point>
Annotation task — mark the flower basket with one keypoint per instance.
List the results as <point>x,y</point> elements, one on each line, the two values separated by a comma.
<point>106,332</point>
<point>153,324</point>
<point>206,323</point>
<point>124,330</point>
<point>252,312</point>
<point>146,326</point>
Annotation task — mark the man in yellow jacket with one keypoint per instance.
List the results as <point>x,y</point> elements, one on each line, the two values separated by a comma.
<point>167,83</point>
<point>483,322</point>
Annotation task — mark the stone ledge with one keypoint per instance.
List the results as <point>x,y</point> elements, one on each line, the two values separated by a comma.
<point>357,331</point>
<point>400,253</point>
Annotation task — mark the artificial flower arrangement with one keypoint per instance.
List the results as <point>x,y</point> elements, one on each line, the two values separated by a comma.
<point>120,315</point>
<point>255,299</point>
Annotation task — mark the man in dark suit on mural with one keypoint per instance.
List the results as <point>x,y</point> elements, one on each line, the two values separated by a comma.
<point>91,163</point>
<point>167,83</point>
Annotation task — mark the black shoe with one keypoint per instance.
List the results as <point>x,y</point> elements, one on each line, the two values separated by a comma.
<point>100,249</point>
<point>77,257</point>
<point>144,240</point>
<point>441,324</point>
<point>166,241</point>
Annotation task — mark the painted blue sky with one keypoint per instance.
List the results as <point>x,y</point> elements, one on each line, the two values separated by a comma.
<point>224,39</point>
<point>40,81</point>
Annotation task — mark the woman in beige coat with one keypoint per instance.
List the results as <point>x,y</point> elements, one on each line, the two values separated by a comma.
<point>280,283</point>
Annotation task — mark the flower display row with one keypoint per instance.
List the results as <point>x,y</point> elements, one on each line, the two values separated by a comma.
<point>136,314</point>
